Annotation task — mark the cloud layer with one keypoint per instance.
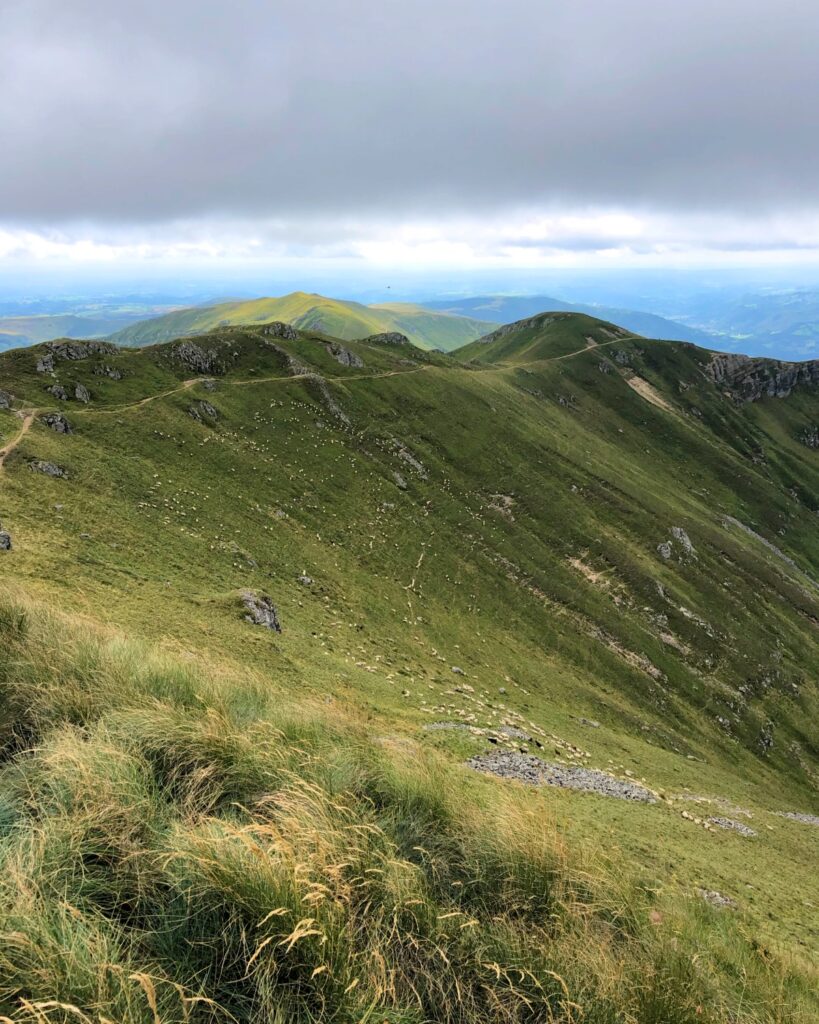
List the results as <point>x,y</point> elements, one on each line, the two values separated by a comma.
<point>124,123</point>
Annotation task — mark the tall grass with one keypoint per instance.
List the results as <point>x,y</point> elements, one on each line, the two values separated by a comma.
<point>176,847</point>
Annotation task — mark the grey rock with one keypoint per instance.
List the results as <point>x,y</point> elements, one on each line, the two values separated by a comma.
<point>5,540</point>
<point>261,611</point>
<point>59,392</point>
<point>810,437</point>
<point>387,338</point>
<point>664,550</point>
<point>305,580</point>
<point>202,410</point>
<point>6,399</point>
<point>196,358</point>
<point>209,385</point>
<point>318,387</point>
<point>108,371</point>
<point>733,826</point>
<point>82,394</point>
<point>621,357</point>
<point>535,772</point>
<point>679,534</point>
<point>278,329</point>
<point>79,349</point>
<point>716,899</point>
<point>48,468</point>
<point>590,722</point>
<point>45,364</point>
<point>400,482</point>
<point>806,819</point>
<point>749,379</point>
<point>458,670</point>
<point>344,355</point>
<point>57,422</point>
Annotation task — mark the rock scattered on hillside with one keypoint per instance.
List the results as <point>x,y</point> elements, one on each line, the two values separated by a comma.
<point>679,534</point>
<point>806,819</point>
<point>82,394</point>
<point>6,399</point>
<point>810,437</point>
<point>261,611</point>
<point>535,772</point>
<point>317,386</point>
<point>733,826</point>
<point>48,468</point>
<point>45,364</point>
<point>108,371</point>
<point>716,899</point>
<point>278,329</point>
<point>388,338</point>
<point>80,349</point>
<point>57,422</point>
<point>305,580</point>
<point>202,410</point>
<point>196,358</point>
<point>5,540</point>
<point>664,550</point>
<point>344,355</point>
<point>59,392</point>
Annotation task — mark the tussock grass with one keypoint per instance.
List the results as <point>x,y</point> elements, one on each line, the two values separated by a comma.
<point>173,847</point>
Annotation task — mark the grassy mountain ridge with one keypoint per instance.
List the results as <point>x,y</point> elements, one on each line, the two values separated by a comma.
<point>619,558</point>
<point>30,330</point>
<point>336,317</point>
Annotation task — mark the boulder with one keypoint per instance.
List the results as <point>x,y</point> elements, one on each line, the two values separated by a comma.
<point>203,410</point>
<point>45,364</point>
<point>59,392</point>
<point>57,422</point>
<point>5,540</point>
<point>6,399</point>
<point>82,394</point>
<point>108,371</point>
<point>48,468</point>
<point>344,355</point>
<point>260,611</point>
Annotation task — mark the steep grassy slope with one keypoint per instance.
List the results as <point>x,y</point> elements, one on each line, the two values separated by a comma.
<point>336,317</point>
<point>620,560</point>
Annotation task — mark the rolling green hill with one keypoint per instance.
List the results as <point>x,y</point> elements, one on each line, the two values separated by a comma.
<point>29,330</point>
<point>564,555</point>
<point>335,317</point>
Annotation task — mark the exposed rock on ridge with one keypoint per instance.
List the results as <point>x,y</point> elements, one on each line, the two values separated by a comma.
<point>749,379</point>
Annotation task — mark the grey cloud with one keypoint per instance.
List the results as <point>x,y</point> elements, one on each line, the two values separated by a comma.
<point>144,112</point>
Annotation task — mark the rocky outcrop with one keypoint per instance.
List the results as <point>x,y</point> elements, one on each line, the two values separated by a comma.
<point>387,338</point>
<point>344,355</point>
<point>6,399</point>
<point>48,468</point>
<point>317,386</point>
<point>278,329</point>
<point>5,540</point>
<point>532,770</point>
<point>79,349</point>
<point>59,392</point>
<point>810,437</point>
<point>57,422</point>
<point>108,371</point>
<point>202,411</point>
<point>260,611</point>
<point>198,359</point>
<point>82,394</point>
<point>748,379</point>
<point>45,364</point>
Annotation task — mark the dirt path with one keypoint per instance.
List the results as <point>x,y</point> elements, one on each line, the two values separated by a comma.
<point>28,418</point>
<point>186,385</point>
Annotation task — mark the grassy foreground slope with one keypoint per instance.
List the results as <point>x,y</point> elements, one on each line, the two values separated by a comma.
<point>201,818</point>
<point>336,317</point>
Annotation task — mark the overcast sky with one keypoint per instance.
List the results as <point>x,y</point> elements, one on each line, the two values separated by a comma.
<point>411,132</point>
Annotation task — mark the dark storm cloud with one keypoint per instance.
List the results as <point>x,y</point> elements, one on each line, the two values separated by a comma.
<point>129,112</point>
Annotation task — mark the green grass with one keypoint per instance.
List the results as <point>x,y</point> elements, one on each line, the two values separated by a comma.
<point>309,312</point>
<point>238,768</point>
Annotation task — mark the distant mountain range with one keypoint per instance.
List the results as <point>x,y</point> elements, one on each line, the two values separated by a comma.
<point>503,309</point>
<point>16,331</point>
<point>424,327</point>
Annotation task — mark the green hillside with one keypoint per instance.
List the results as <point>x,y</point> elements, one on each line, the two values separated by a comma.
<point>566,554</point>
<point>335,317</point>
